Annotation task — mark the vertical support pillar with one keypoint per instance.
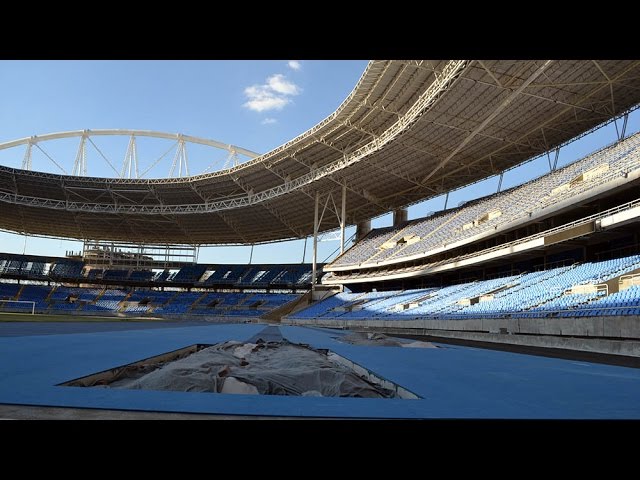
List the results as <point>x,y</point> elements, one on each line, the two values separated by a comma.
<point>621,133</point>
<point>251,254</point>
<point>624,126</point>
<point>555,159</point>
<point>363,227</point>
<point>400,216</point>
<point>314,271</point>
<point>26,162</point>
<point>446,201</point>
<point>304,249</point>
<point>343,218</point>
<point>80,166</point>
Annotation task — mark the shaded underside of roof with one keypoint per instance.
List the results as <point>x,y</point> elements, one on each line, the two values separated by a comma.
<point>409,131</point>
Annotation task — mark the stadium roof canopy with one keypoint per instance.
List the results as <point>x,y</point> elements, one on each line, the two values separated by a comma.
<point>409,130</point>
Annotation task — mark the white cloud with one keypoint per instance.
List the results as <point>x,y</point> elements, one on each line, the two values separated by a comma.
<point>269,121</point>
<point>280,84</point>
<point>294,65</point>
<point>261,98</point>
<point>272,95</point>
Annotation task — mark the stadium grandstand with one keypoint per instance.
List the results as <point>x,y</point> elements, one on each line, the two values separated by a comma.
<point>74,287</point>
<point>551,263</point>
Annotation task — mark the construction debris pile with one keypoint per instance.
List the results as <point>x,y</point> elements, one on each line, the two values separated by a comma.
<point>264,368</point>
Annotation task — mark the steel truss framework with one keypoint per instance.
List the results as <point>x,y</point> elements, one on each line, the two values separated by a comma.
<point>104,253</point>
<point>179,166</point>
<point>409,130</point>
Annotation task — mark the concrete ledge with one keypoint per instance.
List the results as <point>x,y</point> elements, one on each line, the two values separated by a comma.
<point>612,327</point>
<point>608,335</point>
<point>629,348</point>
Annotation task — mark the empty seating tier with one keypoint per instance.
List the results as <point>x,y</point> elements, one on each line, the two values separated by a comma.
<point>569,291</point>
<point>424,236</point>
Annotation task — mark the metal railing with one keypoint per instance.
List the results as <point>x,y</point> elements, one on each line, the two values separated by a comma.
<point>515,314</point>
<point>511,314</point>
<point>635,278</point>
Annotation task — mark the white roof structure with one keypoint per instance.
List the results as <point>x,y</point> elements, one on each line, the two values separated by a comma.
<point>409,130</point>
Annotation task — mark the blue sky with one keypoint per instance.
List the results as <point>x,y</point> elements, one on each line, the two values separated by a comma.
<point>257,105</point>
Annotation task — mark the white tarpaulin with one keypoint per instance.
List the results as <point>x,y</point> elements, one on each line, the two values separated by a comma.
<point>267,368</point>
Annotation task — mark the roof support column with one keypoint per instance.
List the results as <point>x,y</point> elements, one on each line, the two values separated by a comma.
<point>400,216</point>
<point>622,133</point>
<point>553,165</point>
<point>343,218</point>
<point>314,272</point>
<point>304,249</point>
<point>362,229</point>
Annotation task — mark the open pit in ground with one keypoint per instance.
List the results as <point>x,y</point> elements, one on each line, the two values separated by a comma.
<point>261,368</point>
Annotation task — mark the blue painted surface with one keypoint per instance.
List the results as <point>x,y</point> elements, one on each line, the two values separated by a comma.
<point>456,382</point>
<point>19,329</point>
